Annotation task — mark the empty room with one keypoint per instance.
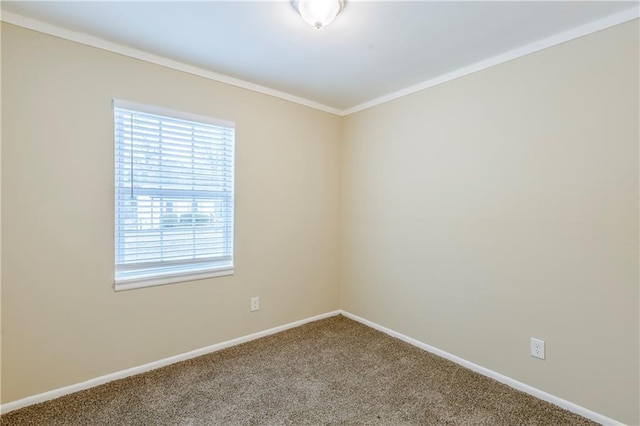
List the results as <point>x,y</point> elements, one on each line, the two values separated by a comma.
<point>320,212</point>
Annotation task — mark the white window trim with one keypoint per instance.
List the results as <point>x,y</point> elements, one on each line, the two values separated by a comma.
<point>123,285</point>
<point>151,109</point>
<point>179,277</point>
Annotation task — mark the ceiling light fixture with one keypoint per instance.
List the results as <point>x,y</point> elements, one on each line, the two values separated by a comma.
<point>318,12</point>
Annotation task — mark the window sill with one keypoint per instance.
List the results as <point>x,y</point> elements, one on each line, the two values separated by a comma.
<point>134,283</point>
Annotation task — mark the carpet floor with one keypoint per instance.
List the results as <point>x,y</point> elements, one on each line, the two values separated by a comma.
<point>332,371</point>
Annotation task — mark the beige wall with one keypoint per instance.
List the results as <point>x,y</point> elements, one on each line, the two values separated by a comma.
<point>474,215</point>
<point>0,214</point>
<point>62,323</point>
<point>504,205</point>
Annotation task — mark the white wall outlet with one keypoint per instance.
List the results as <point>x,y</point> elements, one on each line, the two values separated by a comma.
<point>537,348</point>
<point>255,304</point>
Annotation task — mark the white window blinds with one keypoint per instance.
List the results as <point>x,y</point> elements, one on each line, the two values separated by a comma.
<point>173,196</point>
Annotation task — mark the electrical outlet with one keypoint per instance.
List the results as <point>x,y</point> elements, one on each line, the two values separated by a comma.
<point>255,304</point>
<point>537,348</point>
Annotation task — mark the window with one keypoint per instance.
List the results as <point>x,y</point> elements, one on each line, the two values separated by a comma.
<point>173,196</point>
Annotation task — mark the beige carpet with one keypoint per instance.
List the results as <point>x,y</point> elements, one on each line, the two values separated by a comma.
<point>333,371</point>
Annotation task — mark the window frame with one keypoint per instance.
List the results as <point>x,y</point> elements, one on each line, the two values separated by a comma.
<point>128,283</point>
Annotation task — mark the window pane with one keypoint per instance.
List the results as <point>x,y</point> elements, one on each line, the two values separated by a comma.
<point>174,195</point>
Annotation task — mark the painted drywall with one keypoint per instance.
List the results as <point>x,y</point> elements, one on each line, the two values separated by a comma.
<point>0,211</point>
<point>502,206</point>
<point>476,214</point>
<point>62,322</point>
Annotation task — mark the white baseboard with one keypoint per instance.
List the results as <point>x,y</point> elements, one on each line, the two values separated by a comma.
<point>56,393</point>
<point>562,403</point>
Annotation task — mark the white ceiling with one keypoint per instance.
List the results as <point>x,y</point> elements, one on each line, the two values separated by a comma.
<point>372,49</point>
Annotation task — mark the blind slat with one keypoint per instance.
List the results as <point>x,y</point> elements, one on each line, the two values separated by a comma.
<point>174,195</point>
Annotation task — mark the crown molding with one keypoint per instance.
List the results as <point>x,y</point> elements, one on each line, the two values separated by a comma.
<point>89,40</point>
<point>580,31</point>
<point>577,32</point>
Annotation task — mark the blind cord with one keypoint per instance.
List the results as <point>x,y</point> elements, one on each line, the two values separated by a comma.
<point>131,139</point>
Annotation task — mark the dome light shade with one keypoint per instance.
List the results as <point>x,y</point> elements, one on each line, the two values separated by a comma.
<point>318,12</point>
